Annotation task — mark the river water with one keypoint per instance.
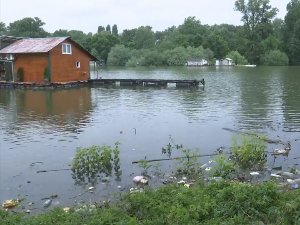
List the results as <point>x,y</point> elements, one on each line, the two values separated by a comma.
<point>48,125</point>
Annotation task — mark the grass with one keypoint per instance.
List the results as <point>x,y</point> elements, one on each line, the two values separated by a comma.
<point>214,203</point>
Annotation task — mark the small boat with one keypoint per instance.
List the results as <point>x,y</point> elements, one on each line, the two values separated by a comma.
<point>250,65</point>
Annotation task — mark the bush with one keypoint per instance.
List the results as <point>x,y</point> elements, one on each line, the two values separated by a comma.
<point>20,74</point>
<point>118,56</point>
<point>250,153</point>
<point>237,58</point>
<point>275,58</point>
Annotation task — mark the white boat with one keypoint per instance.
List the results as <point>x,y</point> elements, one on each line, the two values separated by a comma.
<point>250,65</point>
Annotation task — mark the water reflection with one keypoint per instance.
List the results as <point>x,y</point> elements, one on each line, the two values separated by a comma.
<point>255,98</point>
<point>62,110</point>
<point>290,83</point>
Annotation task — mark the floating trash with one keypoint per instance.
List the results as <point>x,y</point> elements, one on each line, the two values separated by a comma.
<point>181,182</point>
<point>208,168</point>
<point>254,173</point>
<point>10,203</point>
<point>275,175</point>
<point>138,179</point>
<point>144,181</point>
<point>47,203</point>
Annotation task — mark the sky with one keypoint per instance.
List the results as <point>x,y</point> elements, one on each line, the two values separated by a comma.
<point>89,14</point>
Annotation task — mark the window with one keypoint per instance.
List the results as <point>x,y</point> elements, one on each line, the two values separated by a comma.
<point>66,48</point>
<point>77,64</point>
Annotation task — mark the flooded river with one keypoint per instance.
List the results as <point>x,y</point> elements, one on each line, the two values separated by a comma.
<point>47,126</point>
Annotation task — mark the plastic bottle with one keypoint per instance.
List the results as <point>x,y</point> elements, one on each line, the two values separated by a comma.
<point>47,203</point>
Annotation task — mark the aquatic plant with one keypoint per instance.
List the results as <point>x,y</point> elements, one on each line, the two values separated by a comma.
<point>144,164</point>
<point>249,152</point>
<point>224,167</point>
<point>96,160</point>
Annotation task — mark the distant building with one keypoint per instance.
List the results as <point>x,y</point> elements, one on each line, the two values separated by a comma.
<point>224,62</point>
<point>65,59</point>
<point>197,62</point>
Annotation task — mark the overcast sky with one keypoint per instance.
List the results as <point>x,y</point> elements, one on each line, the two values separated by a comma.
<point>87,15</point>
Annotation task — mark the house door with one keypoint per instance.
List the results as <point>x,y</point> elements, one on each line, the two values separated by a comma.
<point>9,70</point>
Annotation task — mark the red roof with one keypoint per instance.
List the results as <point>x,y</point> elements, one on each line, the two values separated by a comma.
<point>32,45</point>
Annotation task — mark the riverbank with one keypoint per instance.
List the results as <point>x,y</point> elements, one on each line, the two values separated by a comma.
<point>237,187</point>
<point>215,203</point>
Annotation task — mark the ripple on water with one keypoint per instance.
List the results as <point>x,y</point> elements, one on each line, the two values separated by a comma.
<point>239,98</point>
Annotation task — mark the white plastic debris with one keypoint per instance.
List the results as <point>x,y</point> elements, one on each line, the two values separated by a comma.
<point>181,182</point>
<point>144,181</point>
<point>203,166</point>
<point>208,168</point>
<point>254,173</point>
<point>287,174</point>
<point>296,181</point>
<point>280,152</point>
<point>275,175</point>
<point>91,188</point>
<point>138,179</point>
<point>217,178</point>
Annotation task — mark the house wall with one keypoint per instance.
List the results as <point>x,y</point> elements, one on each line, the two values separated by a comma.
<point>33,65</point>
<point>63,66</point>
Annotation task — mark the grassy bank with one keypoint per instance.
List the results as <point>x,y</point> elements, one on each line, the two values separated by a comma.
<point>214,203</point>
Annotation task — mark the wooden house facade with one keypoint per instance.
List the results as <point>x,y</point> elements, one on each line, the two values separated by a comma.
<point>65,60</point>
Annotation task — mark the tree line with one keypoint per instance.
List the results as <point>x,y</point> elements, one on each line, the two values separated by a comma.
<point>263,39</point>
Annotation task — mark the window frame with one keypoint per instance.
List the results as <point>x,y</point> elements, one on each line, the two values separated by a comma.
<point>66,46</point>
<point>77,64</point>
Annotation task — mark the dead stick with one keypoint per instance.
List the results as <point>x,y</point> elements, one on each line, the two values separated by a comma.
<point>45,171</point>
<point>252,134</point>
<point>156,160</point>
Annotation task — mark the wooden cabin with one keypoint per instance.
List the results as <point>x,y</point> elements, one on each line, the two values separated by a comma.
<point>66,60</point>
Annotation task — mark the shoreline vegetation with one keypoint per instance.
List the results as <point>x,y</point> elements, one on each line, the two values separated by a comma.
<point>235,187</point>
<point>263,39</point>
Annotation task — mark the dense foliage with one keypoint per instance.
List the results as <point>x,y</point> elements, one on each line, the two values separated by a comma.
<point>253,42</point>
<point>215,203</point>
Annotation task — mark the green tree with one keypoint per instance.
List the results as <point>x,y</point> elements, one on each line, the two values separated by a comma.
<point>153,58</point>
<point>127,38</point>
<point>257,17</point>
<point>108,29</point>
<point>100,29</point>
<point>144,38</point>
<point>102,43</point>
<point>237,58</point>
<point>60,33</point>
<point>118,56</point>
<point>2,28</point>
<point>269,44</point>
<point>278,25</point>
<point>218,45</point>
<point>291,31</point>
<point>275,58</point>
<point>115,30</point>
<point>27,27</point>
<point>77,35</point>
<point>192,33</point>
